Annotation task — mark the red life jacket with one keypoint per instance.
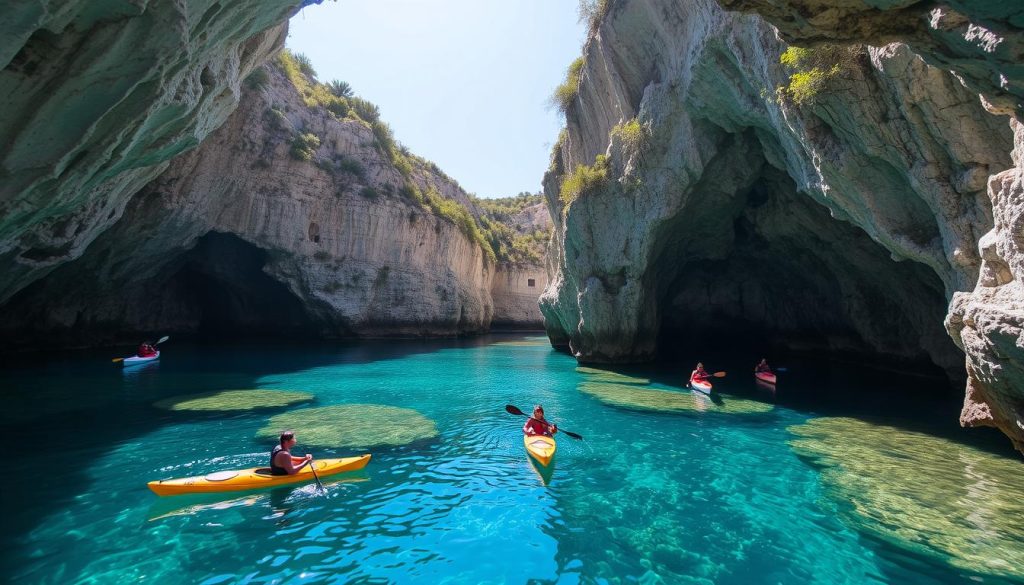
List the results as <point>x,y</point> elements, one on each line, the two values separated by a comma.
<point>535,427</point>
<point>146,350</point>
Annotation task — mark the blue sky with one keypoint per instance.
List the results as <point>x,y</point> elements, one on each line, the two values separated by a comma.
<point>464,83</point>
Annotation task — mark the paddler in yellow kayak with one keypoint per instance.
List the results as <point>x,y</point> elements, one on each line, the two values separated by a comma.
<point>536,425</point>
<point>281,460</point>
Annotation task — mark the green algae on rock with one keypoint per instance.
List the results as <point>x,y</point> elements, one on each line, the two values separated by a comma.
<point>524,343</point>
<point>352,425</point>
<point>923,493</point>
<point>596,375</point>
<point>640,398</point>
<point>233,400</point>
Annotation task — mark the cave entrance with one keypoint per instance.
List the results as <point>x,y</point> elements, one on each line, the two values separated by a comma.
<point>784,276</point>
<point>223,288</point>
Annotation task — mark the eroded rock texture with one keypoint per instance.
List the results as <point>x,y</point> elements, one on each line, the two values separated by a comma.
<point>242,235</point>
<point>97,97</point>
<point>982,44</point>
<point>847,224</point>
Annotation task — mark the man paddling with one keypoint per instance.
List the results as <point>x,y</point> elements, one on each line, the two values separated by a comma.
<point>281,460</point>
<point>762,368</point>
<point>536,425</point>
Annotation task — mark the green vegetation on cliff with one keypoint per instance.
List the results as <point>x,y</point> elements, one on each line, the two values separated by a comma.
<point>592,12</point>
<point>512,242</point>
<point>583,179</point>
<point>423,180</point>
<point>565,94</point>
<point>813,70</point>
<point>632,135</point>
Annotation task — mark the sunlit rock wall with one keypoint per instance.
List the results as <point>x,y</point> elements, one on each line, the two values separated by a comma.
<point>239,234</point>
<point>97,96</point>
<point>847,224</point>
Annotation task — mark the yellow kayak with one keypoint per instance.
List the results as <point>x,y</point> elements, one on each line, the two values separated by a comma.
<point>540,448</point>
<point>255,478</point>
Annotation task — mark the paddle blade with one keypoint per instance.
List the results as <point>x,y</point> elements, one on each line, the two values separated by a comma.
<point>163,339</point>
<point>781,369</point>
<point>719,374</point>
<point>573,435</point>
<point>115,360</point>
<point>513,410</point>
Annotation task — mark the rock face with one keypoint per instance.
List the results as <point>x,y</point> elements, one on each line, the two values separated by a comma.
<point>982,44</point>
<point>97,98</point>
<point>515,291</point>
<point>241,234</point>
<point>848,223</point>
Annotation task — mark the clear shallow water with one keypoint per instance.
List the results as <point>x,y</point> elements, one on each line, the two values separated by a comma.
<point>676,497</point>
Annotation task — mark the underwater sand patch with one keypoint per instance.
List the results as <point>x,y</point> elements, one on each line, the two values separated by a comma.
<point>525,343</point>
<point>233,400</point>
<point>641,398</point>
<point>352,425</point>
<point>922,493</point>
<point>596,375</point>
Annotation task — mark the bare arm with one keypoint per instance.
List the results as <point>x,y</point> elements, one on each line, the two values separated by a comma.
<point>292,464</point>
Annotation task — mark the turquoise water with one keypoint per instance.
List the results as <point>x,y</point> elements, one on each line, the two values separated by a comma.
<point>647,497</point>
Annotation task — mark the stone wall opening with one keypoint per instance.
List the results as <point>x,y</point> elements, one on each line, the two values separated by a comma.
<point>784,275</point>
<point>222,284</point>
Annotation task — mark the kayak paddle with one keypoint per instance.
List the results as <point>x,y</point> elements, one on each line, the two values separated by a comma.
<point>513,410</point>
<point>315,476</point>
<point>719,374</point>
<point>162,339</point>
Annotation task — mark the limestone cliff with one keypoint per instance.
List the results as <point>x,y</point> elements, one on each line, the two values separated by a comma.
<point>97,97</point>
<point>982,45</point>
<point>694,200</point>
<point>289,219</point>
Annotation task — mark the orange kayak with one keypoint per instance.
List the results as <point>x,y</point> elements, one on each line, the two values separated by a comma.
<point>255,478</point>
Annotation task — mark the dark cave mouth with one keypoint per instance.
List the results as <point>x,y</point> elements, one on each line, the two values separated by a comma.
<point>223,291</point>
<point>792,280</point>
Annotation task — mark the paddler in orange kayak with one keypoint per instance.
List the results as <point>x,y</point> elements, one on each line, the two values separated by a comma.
<point>536,425</point>
<point>281,460</point>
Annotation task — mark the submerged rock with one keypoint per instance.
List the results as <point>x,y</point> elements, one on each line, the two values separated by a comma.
<point>640,398</point>
<point>352,425</point>
<point>232,400</point>
<point>923,493</point>
<point>596,375</point>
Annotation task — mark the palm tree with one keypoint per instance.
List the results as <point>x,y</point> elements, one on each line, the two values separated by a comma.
<point>340,88</point>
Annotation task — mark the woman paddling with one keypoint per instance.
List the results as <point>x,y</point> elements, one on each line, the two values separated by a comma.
<point>536,425</point>
<point>146,349</point>
<point>699,374</point>
<point>281,460</point>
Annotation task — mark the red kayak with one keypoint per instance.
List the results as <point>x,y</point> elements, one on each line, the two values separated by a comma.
<point>702,385</point>
<point>765,377</point>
